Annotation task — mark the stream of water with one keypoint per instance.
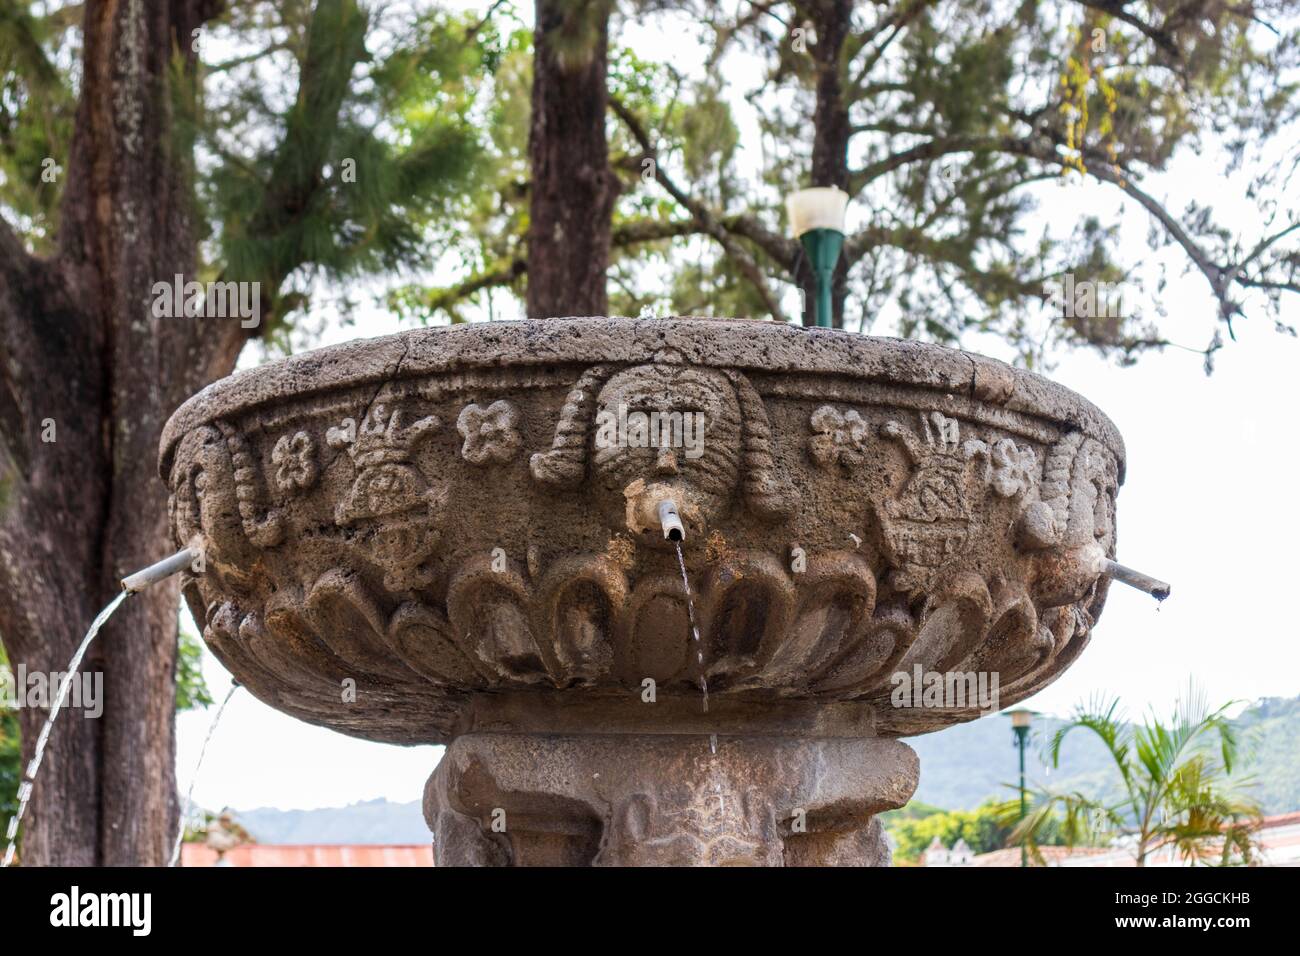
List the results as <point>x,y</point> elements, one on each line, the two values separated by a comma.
<point>696,642</point>
<point>29,778</point>
<point>695,631</point>
<point>189,794</point>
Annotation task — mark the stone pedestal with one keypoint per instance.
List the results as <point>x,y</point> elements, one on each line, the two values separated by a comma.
<point>665,800</point>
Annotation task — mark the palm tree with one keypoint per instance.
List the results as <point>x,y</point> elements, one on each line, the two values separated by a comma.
<point>1176,790</point>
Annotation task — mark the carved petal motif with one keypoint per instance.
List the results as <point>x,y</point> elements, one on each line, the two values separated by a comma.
<point>295,462</point>
<point>493,610</point>
<point>581,604</point>
<point>349,622</point>
<point>837,594</point>
<point>746,605</point>
<point>659,643</point>
<point>867,664</point>
<point>1015,643</point>
<point>491,434</point>
<point>838,437</point>
<point>954,624</point>
<point>423,638</point>
<point>287,636</point>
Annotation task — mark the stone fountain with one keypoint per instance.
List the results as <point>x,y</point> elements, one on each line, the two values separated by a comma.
<point>446,536</point>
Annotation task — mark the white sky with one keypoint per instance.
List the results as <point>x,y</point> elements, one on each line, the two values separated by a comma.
<point>1209,505</point>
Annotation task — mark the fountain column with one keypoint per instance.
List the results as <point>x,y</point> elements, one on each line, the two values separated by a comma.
<point>665,800</point>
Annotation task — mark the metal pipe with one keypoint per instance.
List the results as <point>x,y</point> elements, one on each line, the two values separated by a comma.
<point>671,521</point>
<point>1135,579</point>
<point>157,572</point>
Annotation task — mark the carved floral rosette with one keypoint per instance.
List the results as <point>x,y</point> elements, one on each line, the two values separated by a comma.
<point>406,538</point>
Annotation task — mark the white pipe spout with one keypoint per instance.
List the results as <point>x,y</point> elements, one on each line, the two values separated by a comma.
<point>671,521</point>
<point>157,572</point>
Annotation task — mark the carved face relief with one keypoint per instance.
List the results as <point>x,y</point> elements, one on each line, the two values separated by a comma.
<point>391,493</point>
<point>387,481</point>
<point>671,427</point>
<point>1104,479</point>
<point>928,523</point>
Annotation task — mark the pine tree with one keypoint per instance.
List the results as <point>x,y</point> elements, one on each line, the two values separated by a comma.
<point>329,145</point>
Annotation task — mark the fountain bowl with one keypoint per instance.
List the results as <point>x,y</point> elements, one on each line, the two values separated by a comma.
<point>453,531</point>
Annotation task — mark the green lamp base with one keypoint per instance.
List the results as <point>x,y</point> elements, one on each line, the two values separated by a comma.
<point>822,247</point>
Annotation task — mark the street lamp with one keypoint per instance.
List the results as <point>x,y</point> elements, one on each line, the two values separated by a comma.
<point>1021,718</point>
<point>817,220</point>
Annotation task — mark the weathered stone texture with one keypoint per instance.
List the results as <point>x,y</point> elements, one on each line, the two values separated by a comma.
<point>426,536</point>
<point>665,800</point>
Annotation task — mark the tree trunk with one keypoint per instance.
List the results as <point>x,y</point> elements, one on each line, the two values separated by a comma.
<point>84,354</point>
<point>573,189</point>
<point>830,153</point>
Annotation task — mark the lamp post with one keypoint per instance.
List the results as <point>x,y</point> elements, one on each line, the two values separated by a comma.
<point>817,220</point>
<point>1021,718</point>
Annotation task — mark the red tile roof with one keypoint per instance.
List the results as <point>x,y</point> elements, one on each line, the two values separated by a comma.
<point>1052,855</point>
<point>257,854</point>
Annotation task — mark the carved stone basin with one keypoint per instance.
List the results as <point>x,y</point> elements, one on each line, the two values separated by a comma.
<point>455,535</point>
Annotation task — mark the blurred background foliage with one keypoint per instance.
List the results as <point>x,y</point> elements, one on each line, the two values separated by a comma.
<point>337,140</point>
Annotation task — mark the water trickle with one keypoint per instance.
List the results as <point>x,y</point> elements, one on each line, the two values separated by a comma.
<point>29,778</point>
<point>189,794</point>
<point>695,631</point>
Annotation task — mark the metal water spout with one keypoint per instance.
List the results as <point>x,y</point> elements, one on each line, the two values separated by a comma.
<point>158,572</point>
<point>1135,579</point>
<point>671,521</point>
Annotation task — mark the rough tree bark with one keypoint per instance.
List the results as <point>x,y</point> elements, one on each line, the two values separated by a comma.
<point>82,350</point>
<point>830,153</point>
<point>573,188</point>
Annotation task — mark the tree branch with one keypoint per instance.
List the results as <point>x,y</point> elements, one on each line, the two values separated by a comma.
<point>932,149</point>
<point>1099,166</point>
<point>446,299</point>
<point>1259,250</point>
<point>701,214</point>
<point>651,230</point>
<point>1042,146</point>
<point>1116,9</point>
<point>627,234</point>
<point>226,65</point>
<point>473,31</point>
<point>898,21</point>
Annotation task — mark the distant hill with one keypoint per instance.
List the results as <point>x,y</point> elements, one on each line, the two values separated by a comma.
<point>961,767</point>
<point>1272,728</point>
<point>371,821</point>
<point>965,765</point>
